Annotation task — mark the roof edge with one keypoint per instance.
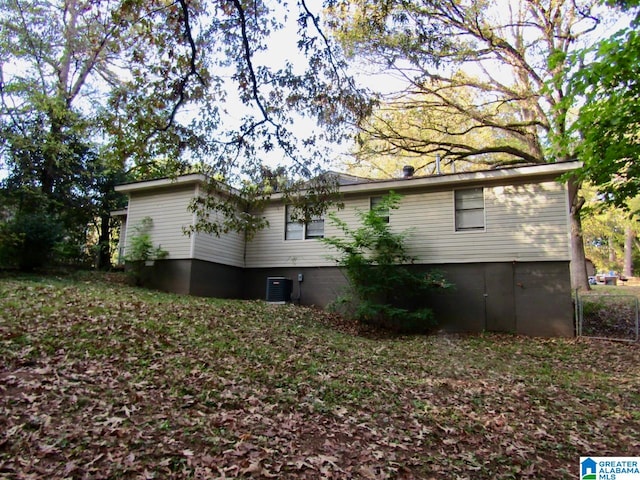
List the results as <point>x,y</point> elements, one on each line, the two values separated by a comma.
<point>549,170</point>
<point>192,178</point>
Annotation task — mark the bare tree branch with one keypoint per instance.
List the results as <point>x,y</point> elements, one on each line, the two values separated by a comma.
<point>193,70</point>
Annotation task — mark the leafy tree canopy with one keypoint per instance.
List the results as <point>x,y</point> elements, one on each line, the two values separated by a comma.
<point>611,241</point>
<point>493,77</point>
<point>95,92</point>
<point>490,80</point>
<point>608,126</point>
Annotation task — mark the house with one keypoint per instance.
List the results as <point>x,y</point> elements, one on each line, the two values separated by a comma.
<point>501,236</point>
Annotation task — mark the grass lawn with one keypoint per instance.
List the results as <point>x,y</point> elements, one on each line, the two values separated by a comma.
<point>633,290</point>
<point>101,380</point>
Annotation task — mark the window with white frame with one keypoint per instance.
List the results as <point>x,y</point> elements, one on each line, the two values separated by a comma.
<point>297,230</point>
<point>469,205</point>
<point>374,202</point>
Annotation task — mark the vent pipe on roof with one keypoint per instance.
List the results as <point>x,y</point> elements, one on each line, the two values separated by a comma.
<point>408,171</point>
<point>438,171</point>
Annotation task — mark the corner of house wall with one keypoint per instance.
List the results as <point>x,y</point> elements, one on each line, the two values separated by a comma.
<point>194,220</point>
<point>127,230</point>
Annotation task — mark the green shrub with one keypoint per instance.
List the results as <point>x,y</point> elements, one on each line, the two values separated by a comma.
<point>384,291</point>
<point>28,239</point>
<point>141,250</point>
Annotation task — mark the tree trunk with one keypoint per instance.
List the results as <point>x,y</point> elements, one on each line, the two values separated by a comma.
<point>104,239</point>
<point>629,237</point>
<point>613,258</point>
<point>579,277</point>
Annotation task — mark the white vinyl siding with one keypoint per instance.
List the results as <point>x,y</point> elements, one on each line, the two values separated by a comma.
<point>469,208</point>
<point>168,210</point>
<point>227,249</point>
<point>269,248</point>
<point>522,223</point>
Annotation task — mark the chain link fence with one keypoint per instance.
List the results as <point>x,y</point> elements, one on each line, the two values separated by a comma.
<point>609,317</point>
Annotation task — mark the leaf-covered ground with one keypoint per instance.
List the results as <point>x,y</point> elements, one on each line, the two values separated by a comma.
<point>610,312</point>
<point>100,380</point>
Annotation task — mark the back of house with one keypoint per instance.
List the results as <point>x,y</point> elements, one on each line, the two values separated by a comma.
<point>501,236</point>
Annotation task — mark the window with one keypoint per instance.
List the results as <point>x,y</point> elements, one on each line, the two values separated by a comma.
<point>293,229</point>
<point>469,204</point>
<point>296,230</point>
<point>314,228</point>
<point>374,202</point>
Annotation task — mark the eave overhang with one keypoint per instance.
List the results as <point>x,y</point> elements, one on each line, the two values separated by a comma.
<point>547,171</point>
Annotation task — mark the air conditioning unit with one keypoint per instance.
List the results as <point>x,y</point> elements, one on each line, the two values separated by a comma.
<point>279,289</point>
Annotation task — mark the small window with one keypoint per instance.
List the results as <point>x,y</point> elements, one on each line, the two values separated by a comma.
<point>469,206</point>
<point>374,202</point>
<point>314,228</point>
<point>296,230</point>
<point>293,229</point>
